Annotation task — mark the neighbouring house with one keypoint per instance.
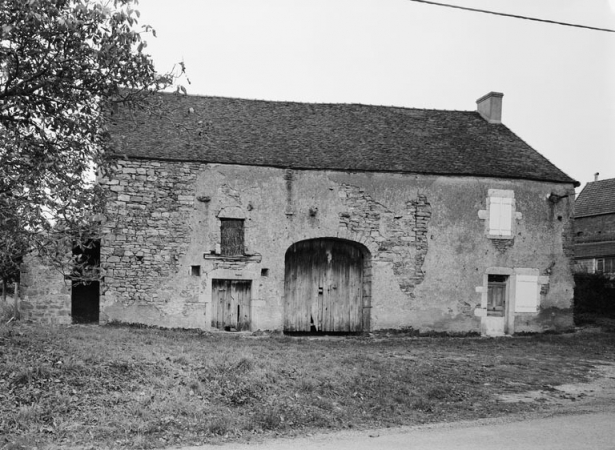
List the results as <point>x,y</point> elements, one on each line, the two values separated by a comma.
<point>239,214</point>
<point>594,224</point>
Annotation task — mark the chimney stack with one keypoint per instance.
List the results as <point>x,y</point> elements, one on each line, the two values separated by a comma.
<point>596,176</point>
<point>490,107</point>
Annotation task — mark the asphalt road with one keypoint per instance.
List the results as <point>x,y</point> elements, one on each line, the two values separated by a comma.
<point>595,431</point>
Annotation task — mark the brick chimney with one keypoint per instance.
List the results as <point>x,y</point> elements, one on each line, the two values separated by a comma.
<point>490,107</point>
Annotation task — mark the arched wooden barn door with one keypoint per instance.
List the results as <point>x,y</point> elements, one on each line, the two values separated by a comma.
<point>323,286</point>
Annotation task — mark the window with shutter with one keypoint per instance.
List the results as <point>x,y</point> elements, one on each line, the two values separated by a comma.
<point>500,216</point>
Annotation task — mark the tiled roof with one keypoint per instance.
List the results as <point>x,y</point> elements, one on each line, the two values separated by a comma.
<point>349,137</point>
<point>597,197</point>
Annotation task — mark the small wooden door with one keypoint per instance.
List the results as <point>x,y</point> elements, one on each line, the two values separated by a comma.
<point>496,294</point>
<point>323,287</point>
<point>231,301</point>
<point>495,322</point>
<point>496,298</point>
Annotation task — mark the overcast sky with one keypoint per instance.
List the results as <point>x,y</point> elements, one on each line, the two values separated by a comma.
<point>558,81</point>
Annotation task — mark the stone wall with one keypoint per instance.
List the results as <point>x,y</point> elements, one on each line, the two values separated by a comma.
<point>45,296</point>
<point>149,210</point>
<point>401,237</point>
<point>428,251</point>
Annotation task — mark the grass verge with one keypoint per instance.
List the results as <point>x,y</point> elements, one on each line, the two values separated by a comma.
<point>128,387</point>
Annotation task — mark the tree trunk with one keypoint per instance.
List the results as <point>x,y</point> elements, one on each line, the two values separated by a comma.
<point>16,300</point>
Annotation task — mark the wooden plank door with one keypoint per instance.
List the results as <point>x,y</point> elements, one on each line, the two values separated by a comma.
<point>496,294</point>
<point>323,286</point>
<point>231,301</point>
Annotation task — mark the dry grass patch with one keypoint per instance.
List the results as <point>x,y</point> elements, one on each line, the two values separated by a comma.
<point>145,388</point>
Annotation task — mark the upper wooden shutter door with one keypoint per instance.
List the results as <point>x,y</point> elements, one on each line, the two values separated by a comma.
<point>231,237</point>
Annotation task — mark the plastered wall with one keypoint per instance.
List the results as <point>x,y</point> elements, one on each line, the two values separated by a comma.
<point>427,242</point>
<point>595,228</point>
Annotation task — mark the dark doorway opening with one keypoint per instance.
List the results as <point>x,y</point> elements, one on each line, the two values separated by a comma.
<point>85,293</point>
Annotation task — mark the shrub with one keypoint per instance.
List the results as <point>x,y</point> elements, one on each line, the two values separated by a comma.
<point>594,295</point>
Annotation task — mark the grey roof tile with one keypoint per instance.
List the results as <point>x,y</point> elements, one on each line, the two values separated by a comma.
<point>349,137</point>
<point>597,197</point>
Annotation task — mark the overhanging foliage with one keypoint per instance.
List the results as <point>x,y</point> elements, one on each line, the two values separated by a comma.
<point>64,66</point>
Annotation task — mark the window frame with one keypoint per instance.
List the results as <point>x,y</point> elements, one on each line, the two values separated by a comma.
<point>600,263</point>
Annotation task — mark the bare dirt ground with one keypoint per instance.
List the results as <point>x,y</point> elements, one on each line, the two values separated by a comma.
<point>594,393</point>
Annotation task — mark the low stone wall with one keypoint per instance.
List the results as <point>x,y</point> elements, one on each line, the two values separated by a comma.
<point>45,296</point>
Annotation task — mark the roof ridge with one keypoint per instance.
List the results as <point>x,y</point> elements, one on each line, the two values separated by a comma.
<point>297,102</point>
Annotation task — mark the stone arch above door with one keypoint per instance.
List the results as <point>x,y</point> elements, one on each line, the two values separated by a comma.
<point>365,240</point>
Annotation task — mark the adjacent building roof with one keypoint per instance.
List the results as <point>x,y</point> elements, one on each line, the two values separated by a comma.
<point>597,197</point>
<point>349,137</point>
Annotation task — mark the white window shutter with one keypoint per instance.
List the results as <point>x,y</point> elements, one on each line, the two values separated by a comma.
<point>500,216</point>
<point>495,215</point>
<point>506,217</point>
<point>526,293</point>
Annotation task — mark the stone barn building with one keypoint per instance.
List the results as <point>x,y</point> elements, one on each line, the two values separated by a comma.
<point>243,215</point>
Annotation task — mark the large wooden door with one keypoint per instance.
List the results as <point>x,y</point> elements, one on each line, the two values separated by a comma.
<point>323,286</point>
<point>231,304</point>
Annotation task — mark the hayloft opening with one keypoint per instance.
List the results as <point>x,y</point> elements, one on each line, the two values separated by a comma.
<point>231,237</point>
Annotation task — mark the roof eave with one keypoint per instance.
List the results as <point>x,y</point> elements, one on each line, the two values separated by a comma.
<point>279,166</point>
